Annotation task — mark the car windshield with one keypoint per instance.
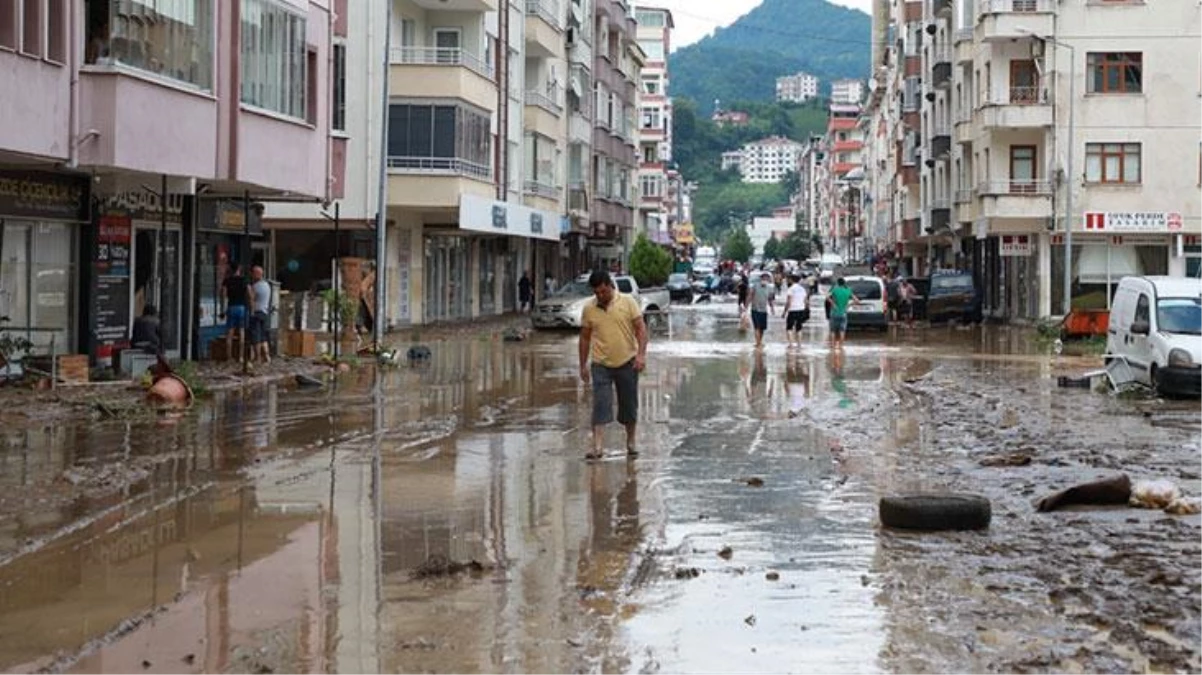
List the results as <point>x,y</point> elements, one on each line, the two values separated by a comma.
<point>829,266</point>
<point>576,289</point>
<point>958,283</point>
<point>1179,315</point>
<point>678,278</point>
<point>865,290</point>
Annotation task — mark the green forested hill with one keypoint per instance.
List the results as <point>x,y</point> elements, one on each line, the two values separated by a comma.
<point>742,61</point>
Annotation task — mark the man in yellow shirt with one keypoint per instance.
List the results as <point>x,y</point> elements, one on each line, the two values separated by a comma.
<point>613,333</point>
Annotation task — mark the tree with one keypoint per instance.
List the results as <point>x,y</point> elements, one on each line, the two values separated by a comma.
<point>796,246</point>
<point>772,249</point>
<point>791,182</point>
<point>650,265</point>
<point>738,246</point>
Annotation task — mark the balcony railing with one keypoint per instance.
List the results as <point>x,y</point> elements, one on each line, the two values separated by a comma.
<point>1014,6</point>
<point>546,99</point>
<point>540,189</point>
<point>440,165</point>
<point>965,196</point>
<point>941,53</point>
<point>1016,187</point>
<point>963,35</point>
<point>940,128</point>
<point>963,114</point>
<point>547,10</point>
<point>939,204</point>
<point>1027,95</point>
<point>441,56</point>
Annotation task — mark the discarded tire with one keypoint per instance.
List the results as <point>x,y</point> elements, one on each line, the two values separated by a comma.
<point>936,512</point>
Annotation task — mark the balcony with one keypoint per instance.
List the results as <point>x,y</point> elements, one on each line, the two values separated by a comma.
<point>435,72</point>
<point>1019,108</point>
<point>436,182</point>
<point>940,216</point>
<point>544,27</point>
<point>941,140</point>
<point>965,134</point>
<point>542,195</point>
<point>578,197</point>
<point>966,206</point>
<point>941,66</point>
<point>1016,199</point>
<point>580,53</point>
<point>544,112</point>
<point>1005,20</point>
<point>580,128</point>
<point>966,49</point>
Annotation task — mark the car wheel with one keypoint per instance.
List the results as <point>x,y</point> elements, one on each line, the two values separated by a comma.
<point>936,512</point>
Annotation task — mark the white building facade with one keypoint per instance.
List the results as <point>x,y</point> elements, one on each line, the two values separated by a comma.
<point>1036,117</point>
<point>659,193</point>
<point>847,92</point>
<point>797,88</point>
<point>766,160</point>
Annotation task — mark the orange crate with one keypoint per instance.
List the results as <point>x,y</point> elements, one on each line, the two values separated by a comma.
<point>1086,322</point>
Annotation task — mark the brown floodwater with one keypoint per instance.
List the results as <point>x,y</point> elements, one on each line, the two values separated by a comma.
<point>440,518</point>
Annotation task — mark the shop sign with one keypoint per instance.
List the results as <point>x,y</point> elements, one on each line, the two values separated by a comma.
<point>111,281</point>
<point>1016,245</point>
<point>41,195</point>
<point>477,214</point>
<point>1133,221</point>
<point>228,216</point>
<point>146,206</point>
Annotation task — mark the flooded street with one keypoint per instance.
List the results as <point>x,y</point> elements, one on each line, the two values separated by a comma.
<point>441,519</point>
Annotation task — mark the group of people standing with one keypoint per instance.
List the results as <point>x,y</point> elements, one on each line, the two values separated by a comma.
<point>247,310</point>
<point>758,299</point>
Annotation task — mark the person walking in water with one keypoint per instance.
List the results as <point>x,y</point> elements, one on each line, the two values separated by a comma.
<point>614,335</point>
<point>839,298</point>
<point>761,301</point>
<point>797,310</point>
<point>525,292</point>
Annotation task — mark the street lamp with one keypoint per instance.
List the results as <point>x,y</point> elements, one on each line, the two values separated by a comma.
<point>1068,187</point>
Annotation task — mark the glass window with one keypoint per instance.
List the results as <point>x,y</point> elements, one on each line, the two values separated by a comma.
<point>1143,309</point>
<point>653,48</point>
<point>31,37</point>
<point>1115,72</point>
<point>1179,315</point>
<point>439,137</point>
<point>648,19</point>
<point>274,58</point>
<point>171,38</point>
<point>338,122</point>
<point>1113,163</point>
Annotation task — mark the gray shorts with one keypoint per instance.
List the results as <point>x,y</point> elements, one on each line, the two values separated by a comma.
<point>625,380</point>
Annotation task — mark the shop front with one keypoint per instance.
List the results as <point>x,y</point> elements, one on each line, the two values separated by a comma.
<point>138,263</point>
<point>1113,245</point>
<point>472,268</point>
<point>40,243</point>
<point>229,235</point>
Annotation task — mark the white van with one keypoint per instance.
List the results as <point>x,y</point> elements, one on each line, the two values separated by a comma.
<point>1156,325</point>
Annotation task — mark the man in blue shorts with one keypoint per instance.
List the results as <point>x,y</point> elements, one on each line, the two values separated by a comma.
<point>761,301</point>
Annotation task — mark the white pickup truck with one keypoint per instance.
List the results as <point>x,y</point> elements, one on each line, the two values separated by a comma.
<point>566,305</point>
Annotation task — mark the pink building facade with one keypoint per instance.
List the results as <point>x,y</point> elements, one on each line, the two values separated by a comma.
<point>139,142</point>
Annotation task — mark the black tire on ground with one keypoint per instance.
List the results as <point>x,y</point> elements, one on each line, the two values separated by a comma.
<point>936,512</point>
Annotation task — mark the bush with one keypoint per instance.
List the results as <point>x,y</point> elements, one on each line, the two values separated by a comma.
<point>650,265</point>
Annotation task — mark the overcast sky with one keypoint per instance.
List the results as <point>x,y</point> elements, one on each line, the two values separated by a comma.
<point>696,19</point>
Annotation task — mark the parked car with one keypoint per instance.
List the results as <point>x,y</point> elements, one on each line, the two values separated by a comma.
<point>953,295</point>
<point>918,301</point>
<point>1156,325</point>
<point>873,308</point>
<point>565,307</point>
<point>680,288</point>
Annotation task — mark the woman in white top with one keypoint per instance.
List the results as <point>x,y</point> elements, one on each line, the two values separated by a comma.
<point>797,310</point>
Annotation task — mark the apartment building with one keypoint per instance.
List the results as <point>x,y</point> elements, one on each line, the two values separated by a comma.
<point>797,88</point>
<point>764,161</point>
<point>659,193</point>
<point>616,66</point>
<point>847,92</point>
<point>1029,106</point>
<point>140,142</point>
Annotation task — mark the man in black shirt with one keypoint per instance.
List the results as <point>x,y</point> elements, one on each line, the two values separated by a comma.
<point>148,331</point>
<point>237,297</point>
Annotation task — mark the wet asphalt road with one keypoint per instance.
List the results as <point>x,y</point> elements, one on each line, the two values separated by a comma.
<point>292,530</point>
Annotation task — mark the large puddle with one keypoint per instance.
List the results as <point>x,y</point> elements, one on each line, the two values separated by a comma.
<point>441,519</point>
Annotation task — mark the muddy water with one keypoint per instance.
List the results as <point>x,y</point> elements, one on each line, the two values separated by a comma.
<point>293,530</point>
